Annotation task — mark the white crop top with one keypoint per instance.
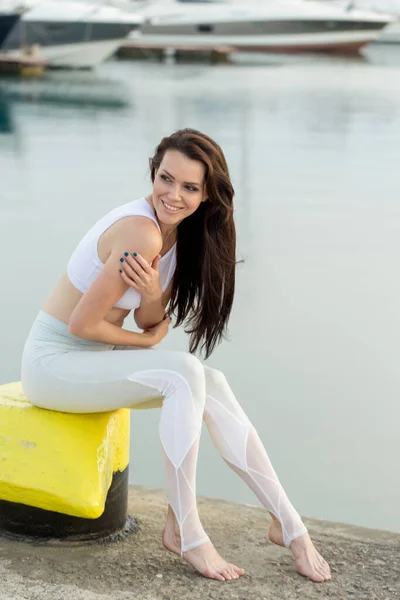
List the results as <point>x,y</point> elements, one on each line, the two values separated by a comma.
<point>85,264</point>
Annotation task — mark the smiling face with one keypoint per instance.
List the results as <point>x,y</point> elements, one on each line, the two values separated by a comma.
<point>178,188</point>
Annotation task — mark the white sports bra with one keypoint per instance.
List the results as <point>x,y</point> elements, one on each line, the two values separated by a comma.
<point>85,264</point>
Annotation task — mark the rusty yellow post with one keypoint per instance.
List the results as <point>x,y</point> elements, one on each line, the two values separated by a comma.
<point>61,474</point>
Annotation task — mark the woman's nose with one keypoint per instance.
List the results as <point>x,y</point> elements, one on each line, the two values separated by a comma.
<point>175,192</point>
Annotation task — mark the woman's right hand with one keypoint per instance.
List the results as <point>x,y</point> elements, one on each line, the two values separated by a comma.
<point>158,332</point>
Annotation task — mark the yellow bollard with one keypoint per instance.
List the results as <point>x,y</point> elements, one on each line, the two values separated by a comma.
<point>61,474</point>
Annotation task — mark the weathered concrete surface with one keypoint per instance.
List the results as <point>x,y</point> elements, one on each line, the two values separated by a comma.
<point>365,563</point>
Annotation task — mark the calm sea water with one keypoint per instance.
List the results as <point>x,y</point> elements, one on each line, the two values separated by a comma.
<point>313,147</point>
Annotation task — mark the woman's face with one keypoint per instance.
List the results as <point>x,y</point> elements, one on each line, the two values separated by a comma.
<point>178,188</point>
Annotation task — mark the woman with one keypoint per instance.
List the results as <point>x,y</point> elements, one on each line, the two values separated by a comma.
<point>176,246</point>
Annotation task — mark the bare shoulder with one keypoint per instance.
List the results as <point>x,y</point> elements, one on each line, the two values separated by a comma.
<point>132,234</point>
<point>137,227</point>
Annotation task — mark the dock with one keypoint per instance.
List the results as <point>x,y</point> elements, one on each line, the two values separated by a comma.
<point>24,66</point>
<point>365,563</point>
<point>138,50</point>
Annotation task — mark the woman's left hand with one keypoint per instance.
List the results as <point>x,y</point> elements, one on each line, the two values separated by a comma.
<point>141,276</point>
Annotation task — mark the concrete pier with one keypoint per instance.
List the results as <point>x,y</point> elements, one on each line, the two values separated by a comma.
<point>365,563</point>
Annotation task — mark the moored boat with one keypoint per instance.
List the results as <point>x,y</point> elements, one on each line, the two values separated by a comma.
<point>274,25</point>
<point>71,34</point>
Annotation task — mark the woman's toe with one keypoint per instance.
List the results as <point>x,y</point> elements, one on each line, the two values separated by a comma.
<point>324,568</point>
<point>327,573</point>
<point>225,573</point>
<point>233,573</point>
<point>213,575</point>
<point>238,570</point>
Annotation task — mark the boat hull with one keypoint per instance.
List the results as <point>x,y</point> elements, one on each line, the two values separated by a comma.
<point>86,55</point>
<point>340,42</point>
<point>283,35</point>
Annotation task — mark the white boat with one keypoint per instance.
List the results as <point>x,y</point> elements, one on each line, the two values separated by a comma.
<point>273,25</point>
<point>71,34</point>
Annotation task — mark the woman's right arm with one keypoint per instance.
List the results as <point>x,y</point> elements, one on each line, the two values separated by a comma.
<point>87,319</point>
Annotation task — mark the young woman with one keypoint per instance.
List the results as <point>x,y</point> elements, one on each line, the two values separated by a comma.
<point>176,247</point>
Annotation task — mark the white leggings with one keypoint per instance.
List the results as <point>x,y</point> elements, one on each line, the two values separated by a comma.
<point>64,373</point>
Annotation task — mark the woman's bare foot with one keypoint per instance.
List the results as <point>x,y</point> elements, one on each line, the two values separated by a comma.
<point>203,558</point>
<point>309,562</point>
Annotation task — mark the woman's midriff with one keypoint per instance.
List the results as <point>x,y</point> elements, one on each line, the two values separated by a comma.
<point>65,297</point>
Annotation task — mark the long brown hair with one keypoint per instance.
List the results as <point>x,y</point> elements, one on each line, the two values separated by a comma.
<point>204,280</point>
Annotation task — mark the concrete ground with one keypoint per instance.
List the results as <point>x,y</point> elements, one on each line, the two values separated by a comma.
<point>365,563</point>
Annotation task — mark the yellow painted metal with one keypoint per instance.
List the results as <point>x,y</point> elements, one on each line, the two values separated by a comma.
<point>59,461</point>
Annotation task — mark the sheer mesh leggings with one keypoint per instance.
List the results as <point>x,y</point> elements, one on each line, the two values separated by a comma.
<point>239,445</point>
<point>62,373</point>
<point>180,429</point>
<point>200,393</point>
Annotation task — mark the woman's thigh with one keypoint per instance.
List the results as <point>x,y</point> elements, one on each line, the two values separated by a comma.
<point>96,381</point>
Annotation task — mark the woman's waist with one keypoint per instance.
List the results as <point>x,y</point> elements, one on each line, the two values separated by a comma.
<point>63,300</point>
<point>51,334</point>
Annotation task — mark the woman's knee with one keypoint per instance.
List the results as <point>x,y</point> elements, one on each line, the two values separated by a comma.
<point>214,379</point>
<point>189,366</point>
<point>189,371</point>
<point>218,391</point>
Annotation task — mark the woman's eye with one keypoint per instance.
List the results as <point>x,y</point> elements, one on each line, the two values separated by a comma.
<point>188,187</point>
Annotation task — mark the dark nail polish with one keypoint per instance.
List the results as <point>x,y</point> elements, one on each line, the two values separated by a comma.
<point>120,270</point>
<point>121,260</point>
<point>126,253</point>
<point>134,254</point>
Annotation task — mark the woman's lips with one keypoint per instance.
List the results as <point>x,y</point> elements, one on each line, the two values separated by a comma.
<point>170,208</point>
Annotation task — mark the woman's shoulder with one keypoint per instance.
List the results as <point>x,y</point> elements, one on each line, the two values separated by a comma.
<point>138,225</point>
<point>130,227</point>
<point>136,209</point>
<point>138,231</point>
<point>133,207</point>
